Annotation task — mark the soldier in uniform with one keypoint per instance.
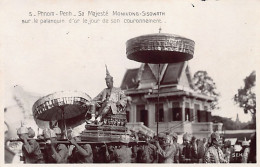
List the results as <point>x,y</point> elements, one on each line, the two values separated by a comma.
<point>194,149</point>
<point>54,153</point>
<point>227,151</point>
<point>111,98</point>
<point>80,153</point>
<point>202,148</point>
<point>165,149</point>
<point>147,153</point>
<point>176,158</point>
<point>214,154</point>
<point>30,149</point>
<point>188,154</point>
<point>245,151</point>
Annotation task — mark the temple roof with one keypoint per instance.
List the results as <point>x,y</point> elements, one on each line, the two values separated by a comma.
<point>146,77</point>
<point>130,79</point>
<point>175,79</point>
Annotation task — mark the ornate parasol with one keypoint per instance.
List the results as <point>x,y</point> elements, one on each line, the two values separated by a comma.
<point>159,48</point>
<point>69,106</point>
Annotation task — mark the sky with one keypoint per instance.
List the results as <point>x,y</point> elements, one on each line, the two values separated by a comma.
<point>46,58</point>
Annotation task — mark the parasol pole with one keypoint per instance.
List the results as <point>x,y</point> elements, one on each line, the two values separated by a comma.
<point>158,99</point>
<point>64,122</point>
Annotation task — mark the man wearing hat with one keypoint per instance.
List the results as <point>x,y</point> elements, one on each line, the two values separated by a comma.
<point>111,98</point>
<point>147,152</point>
<point>245,151</point>
<point>227,151</point>
<point>202,148</point>
<point>187,153</point>
<point>165,149</point>
<point>214,154</point>
<point>176,158</point>
<point>54,153</point>
<point>80,153</point>
<point>31,148</point>
<point>194,149</point>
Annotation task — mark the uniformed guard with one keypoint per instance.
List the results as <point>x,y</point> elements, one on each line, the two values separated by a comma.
<point>147,153</point>
<point>80,153</point>
<point>187,153</point>
<point>202,148</point>
<point>165,149</point>
<point>176,158</point>
<point>54,153</point>
<point>245,151</point>
<point>227,151</point>
<point>194,149</point>
<point>30,149</point>
<point>214,154</point>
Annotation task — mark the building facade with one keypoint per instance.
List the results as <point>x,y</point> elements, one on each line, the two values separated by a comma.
<point>181,109</point>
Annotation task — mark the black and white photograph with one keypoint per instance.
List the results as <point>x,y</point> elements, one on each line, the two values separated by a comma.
<point>105,82</point>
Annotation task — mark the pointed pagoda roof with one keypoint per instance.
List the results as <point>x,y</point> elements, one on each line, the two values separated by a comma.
<point>130,79</point>
<point>148,73</point>
<point>175,79</point>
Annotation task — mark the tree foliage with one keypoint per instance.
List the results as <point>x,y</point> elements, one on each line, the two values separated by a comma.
<point>204,84</point>
<point>246,97</point>
<point>229,124</point>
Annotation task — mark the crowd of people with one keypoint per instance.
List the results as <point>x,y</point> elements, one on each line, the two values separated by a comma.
<point>163,148</point>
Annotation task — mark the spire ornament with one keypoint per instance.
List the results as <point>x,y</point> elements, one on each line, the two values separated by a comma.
<point>108,76</point>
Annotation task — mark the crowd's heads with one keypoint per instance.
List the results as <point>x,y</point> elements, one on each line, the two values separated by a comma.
<point>186,138</point>
<point>227,143</point>
<point>31,133</point>
<point>124,139</point>
<point>141,137</point>
<point>22,130</point>
<point>164,138</point>
<point>161,138</point>
<point>49,133</point>
<point>215,138</point>
<point>174,136</point>
<point>245,144</point>
<point>57,131</point>
<point>204,140</point>
<point>74,134</point>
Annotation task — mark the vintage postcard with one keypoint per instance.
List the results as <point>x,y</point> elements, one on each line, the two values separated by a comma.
<point>129,81</point>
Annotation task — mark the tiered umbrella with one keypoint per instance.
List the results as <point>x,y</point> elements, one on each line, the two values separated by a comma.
<point>69,107</point>
<point>159,48</point>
